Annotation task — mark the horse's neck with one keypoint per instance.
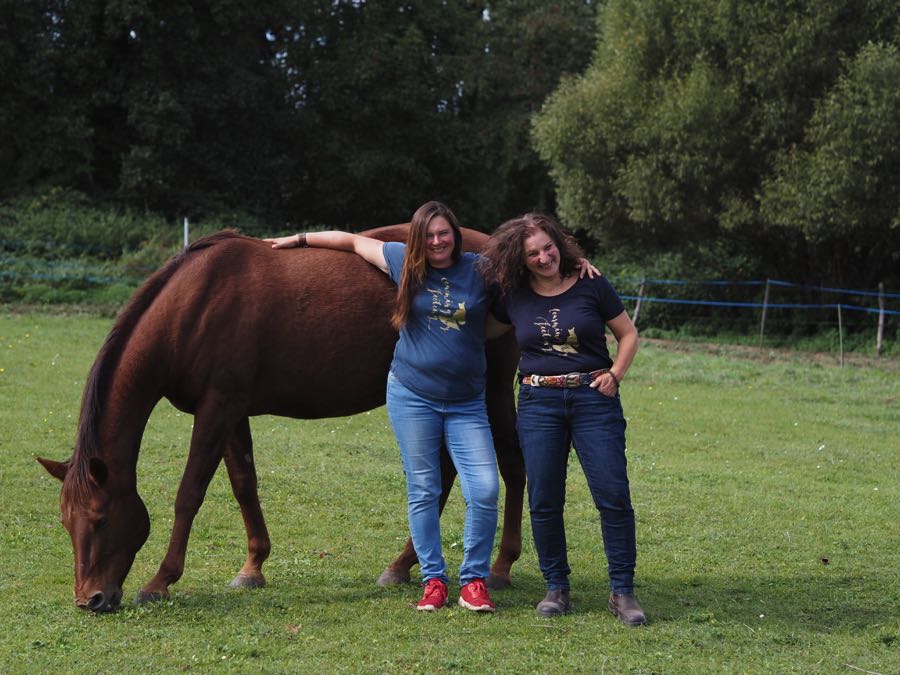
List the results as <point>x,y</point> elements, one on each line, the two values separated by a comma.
<point>130,397</point>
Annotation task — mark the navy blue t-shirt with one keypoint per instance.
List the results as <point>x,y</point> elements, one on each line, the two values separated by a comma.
<point>440,353</point>
<point>565,333</point>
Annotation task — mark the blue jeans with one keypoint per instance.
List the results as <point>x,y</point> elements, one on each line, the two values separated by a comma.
<point>549,420</point>
<point>422,426</point>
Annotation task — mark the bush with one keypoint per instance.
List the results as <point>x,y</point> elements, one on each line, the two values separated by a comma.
<point>58,248</point>
<point>64,224</point>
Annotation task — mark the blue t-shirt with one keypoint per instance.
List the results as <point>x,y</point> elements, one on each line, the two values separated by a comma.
<point>565,333</point>
<point>440,353</point>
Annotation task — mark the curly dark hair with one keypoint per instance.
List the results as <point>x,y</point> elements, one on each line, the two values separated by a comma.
<point>502,263</point>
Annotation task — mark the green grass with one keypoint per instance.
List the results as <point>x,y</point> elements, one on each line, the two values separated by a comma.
<point>747,475</point>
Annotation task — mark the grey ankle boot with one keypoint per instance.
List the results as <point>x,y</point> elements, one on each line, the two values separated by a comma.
<point>556,602</point>
<point>627,609</point>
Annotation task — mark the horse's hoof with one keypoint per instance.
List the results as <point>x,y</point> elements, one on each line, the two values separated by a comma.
<point>392,577</point>
<point>497,582</point>
<point>151,596</point>
<point>246,581</point>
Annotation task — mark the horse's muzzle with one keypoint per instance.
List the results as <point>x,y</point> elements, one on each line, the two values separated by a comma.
<point>100,601</point>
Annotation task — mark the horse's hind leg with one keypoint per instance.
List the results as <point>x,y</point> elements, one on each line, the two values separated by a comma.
<point>509,458</point>
<point>242,474</point>
<point>501,406</point>
<point>398,571</point>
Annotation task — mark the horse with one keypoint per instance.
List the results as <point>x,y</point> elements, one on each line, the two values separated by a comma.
<point>229,329</point>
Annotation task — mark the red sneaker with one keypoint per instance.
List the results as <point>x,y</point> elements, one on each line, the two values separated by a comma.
<point>434,597</point>
<point>474,595</point>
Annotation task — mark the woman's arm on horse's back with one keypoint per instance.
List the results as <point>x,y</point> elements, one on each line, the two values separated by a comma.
<point>366,248</point>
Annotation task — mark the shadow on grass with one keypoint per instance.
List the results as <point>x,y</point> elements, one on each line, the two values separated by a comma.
<point>813,603</point>
<point>819,603</point>
<point>322,591</point>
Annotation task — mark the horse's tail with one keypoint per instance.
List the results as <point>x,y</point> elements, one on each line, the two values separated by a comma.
<point>108,357</point>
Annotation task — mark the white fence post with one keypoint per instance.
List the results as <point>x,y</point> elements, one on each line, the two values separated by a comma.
<point>841,334</point>
<point>762,320</point>
<point>637,306</point>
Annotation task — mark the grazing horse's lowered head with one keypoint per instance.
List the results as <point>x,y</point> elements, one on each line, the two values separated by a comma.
<point>108,526</point>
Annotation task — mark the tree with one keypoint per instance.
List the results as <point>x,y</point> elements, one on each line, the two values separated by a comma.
<point>372,87</point>
<point>669,137</point>
<point>174,107</point>
<point>42,134</point>
<point>399,102</point>
<point>336,113</point>
<point>841,186</point>
<point>525,48</point>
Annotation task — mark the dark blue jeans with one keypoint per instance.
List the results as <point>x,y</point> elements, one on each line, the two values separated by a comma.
<point>549,421</point>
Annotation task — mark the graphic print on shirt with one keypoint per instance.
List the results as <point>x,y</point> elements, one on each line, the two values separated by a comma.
<point>552,335</point>
<point>450,315</point>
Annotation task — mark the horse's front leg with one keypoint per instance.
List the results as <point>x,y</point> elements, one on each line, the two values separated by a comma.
<point>398,572</point>
<point>242,474</point>
<point>207,442</point>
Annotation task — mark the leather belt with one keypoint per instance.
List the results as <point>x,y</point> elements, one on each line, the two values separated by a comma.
<point>566,381</point>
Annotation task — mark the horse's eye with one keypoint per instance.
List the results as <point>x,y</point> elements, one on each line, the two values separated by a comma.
<point>101,524</point>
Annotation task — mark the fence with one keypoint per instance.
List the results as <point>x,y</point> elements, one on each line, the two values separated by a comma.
<point>765,306</point>
<point>752,307</point>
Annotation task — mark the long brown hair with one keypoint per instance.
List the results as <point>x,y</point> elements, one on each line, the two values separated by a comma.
<point>413,274</point>
<point>502,263</point>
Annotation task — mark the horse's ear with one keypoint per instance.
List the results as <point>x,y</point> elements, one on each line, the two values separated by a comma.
<point>98,471</point>
<point>55,469</point>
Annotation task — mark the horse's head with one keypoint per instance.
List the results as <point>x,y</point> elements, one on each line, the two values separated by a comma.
<point>108,524</point>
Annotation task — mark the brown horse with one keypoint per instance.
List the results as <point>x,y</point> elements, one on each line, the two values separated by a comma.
<point>226,330</point>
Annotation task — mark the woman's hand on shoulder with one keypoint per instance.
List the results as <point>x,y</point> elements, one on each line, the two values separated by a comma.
<point>585,267</point>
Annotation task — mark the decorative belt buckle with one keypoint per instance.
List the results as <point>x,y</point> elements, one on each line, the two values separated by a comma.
<point>573,380</point>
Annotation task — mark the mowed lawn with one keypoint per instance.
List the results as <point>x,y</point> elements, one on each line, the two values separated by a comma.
<point>765,487</point>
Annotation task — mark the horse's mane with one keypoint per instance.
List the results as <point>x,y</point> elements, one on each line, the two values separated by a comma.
<point>87,439</point>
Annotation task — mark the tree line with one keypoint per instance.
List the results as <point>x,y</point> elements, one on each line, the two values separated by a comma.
<point>312,112</point>
<point>715,135</point>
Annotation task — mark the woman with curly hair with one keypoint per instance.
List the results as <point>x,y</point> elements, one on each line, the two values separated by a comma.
<point>568,395</point>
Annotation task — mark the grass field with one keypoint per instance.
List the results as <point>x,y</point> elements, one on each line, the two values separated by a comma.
<point>766,492</point>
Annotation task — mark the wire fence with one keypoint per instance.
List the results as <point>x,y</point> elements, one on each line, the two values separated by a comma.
<point>764,306</point>
<point>761,308</point>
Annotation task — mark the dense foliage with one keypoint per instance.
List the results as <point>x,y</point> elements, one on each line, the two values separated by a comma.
<point>739,139</point>
<point>769,126</point>
<point>307,111</point>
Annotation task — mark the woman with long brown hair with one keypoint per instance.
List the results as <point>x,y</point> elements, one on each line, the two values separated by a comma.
<point>435,389</point>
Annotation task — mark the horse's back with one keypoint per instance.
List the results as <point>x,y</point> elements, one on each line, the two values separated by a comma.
<point>297,332</point>
<point>293,332</point>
